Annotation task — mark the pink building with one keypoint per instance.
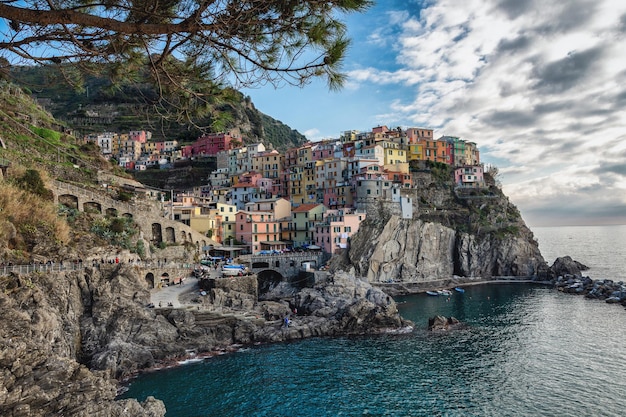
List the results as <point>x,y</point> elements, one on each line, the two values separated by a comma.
<point>186,151</point>
<point>334,232</point>
<point>251,178</point>
<point>138,136</point>
<point>469,176</point>
<point>324,149</point>
<point>414,134</point>
<point>213,143</point>
<point>260,230</point>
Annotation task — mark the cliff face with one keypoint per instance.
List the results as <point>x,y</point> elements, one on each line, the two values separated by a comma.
<point>41,342</point>
<point>413,251</point>
<point>66,337</point>
<point>478,237</point>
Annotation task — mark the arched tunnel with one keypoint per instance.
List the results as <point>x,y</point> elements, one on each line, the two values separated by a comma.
<point>268,280</point>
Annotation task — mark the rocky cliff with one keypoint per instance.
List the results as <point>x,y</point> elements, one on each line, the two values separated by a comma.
<point>68,337</point>
<point>475,236</point>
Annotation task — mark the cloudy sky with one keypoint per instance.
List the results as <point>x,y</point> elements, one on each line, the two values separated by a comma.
<point>540,86</point>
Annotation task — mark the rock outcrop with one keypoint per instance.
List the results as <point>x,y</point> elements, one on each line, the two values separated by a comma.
<point>41,344</point>
<point>564,266</point>
<point>410,250</point>
<point>68,338</point>
<point>567,277</point>
<point>441,323</point>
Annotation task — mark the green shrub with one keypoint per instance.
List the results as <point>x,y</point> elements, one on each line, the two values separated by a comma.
<point>124,196</point>
<point>116,230</point>
<point>140,249</point>
<point>32,182</point>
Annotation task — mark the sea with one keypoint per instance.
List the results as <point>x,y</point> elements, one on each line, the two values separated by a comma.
<point>522,350</point>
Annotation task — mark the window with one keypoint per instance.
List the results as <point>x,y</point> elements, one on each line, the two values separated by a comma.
<point>230,227</point>
<point>347,229</point>
<point>241,227</point>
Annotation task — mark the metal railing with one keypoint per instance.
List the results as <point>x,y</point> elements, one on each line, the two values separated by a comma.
<point>75,266</point>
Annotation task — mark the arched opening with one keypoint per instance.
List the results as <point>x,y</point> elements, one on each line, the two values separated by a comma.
<point>157,237</point>
<point>165,279</point>
<point>92,207</point>
<point>111,212</point>
<point>68,200</point>
<point>170,235</point>
<point>312,263</point>
<point>150,279</point>
<point>268,280</point>
<point>128,215</point>
<point>183,236</point>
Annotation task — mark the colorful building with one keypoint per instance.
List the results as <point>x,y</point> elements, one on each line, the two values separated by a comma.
<point>334,232</point>
<point>469,176</point>
<point>213,143</point>
<point>302,227</point>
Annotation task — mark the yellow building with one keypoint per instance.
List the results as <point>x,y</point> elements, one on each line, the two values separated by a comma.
<point>149,147</point>
<point>393,153</point>
<point>225,228</point>
<point>416,152</point>
<point>130,149</point>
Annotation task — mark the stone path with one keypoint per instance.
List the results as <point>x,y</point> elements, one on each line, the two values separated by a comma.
<point>161,297</point>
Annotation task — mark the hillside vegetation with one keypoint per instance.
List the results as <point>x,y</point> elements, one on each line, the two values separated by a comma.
<point>99,106</point>
<point>35,150</point>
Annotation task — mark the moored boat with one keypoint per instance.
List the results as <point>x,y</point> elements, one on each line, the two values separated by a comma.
<point>432,293</point>
<point>459,289</point>
<point>233,270</point>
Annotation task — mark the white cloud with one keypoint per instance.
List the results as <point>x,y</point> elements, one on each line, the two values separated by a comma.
<point>536,84</point>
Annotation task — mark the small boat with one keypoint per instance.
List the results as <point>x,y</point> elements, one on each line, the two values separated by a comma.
<point>445,292</point>
<point>459,289</point>
<point>233,270</point>
<point>432,292</point>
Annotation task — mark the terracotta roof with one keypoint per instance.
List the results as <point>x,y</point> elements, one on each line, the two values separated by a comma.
<point>305,207</point>
<point>243,184</point>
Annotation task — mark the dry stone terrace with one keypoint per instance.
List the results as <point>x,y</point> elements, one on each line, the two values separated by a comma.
<point>146,214</point>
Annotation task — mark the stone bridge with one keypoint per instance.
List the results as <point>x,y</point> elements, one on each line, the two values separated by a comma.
<point>291,267</point>
<point>147,214</point>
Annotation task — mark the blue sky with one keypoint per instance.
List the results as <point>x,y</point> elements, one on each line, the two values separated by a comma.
<point>540,86</point>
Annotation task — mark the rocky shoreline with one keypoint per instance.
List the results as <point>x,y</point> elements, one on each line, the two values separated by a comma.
<point>570,280</point>
<point>69,339</point>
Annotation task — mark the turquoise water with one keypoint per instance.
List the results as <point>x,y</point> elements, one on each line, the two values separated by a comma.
<point>525,351</point>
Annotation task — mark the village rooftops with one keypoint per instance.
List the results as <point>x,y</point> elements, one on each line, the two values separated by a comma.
<point>305,207</point>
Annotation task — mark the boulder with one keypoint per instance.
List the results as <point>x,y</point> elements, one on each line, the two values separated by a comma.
<point>566,266</point>
<point>441,323</point>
